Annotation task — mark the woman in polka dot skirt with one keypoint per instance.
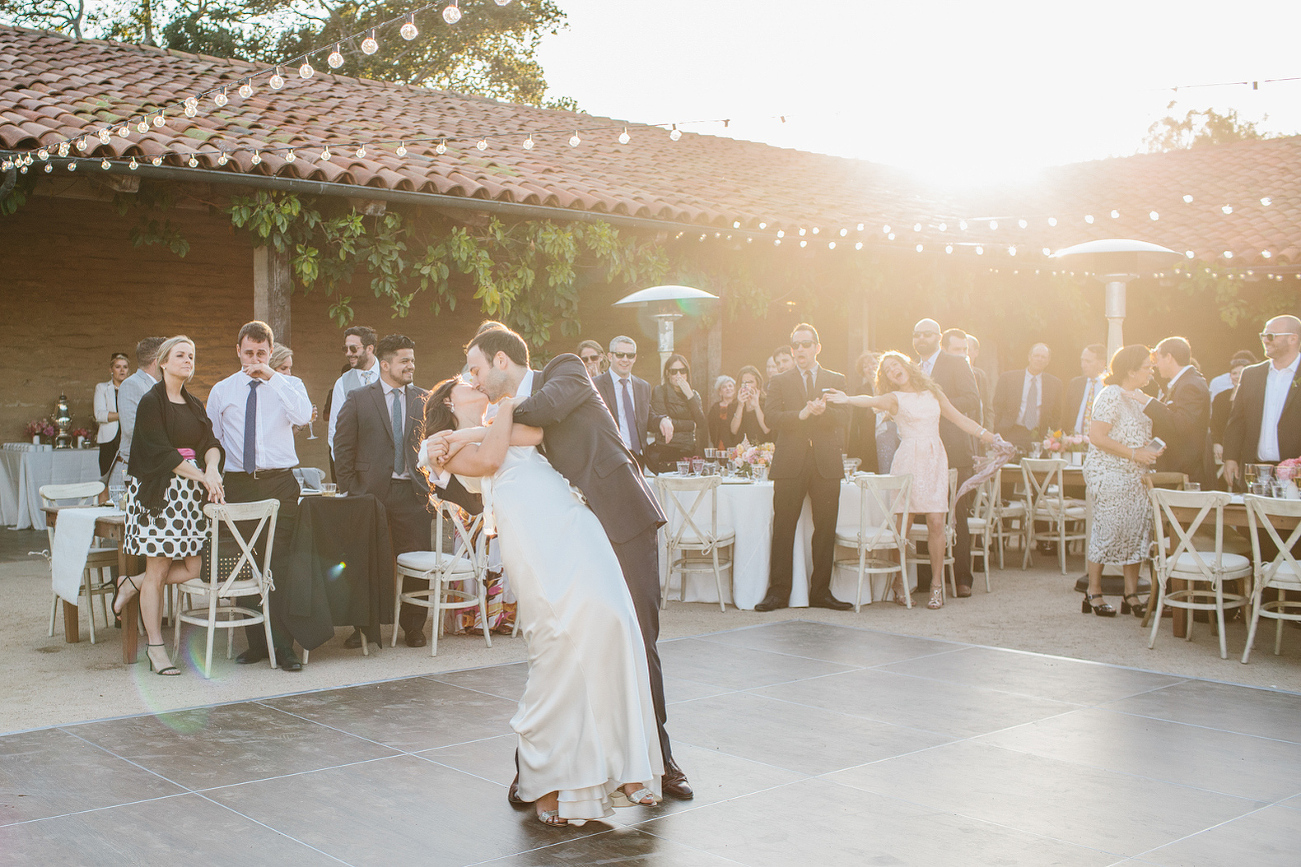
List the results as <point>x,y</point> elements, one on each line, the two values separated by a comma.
<point>166,492</point>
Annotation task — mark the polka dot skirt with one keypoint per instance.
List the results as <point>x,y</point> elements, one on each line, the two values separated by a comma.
<point>180,530</point>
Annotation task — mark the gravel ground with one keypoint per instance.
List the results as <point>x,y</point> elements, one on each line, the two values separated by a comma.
<point>48,682</point>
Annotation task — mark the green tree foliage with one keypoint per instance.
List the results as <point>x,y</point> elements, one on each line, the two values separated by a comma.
<point>1197,128</point>
<point>492,51</point>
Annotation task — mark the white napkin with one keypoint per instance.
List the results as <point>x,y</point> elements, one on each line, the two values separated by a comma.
<point>73,535</point>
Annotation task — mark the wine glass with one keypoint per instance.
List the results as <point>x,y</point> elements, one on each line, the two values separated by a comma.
<point>1249,475</point>
<point>311,432</point>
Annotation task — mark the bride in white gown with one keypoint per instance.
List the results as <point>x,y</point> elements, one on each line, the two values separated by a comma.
<point>586,724</point>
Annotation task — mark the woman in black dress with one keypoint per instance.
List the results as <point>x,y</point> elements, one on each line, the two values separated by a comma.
<point>166,491</point>
<point>748,422</point>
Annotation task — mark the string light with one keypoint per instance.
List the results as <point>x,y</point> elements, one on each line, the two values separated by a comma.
<point>993,224</point>
<point>442,147</point>
<point>361,151</point>
<point>335,60</point>
<point>1115,215</point>
<point>72,165</point>
<point>574,140</point>
<point>1153,216</point>
<point>305,71</point>
<point>103,164</point>
<point>624,138</point>
<point>223,159</point>
<point>452,13</point>
<point>289,157</point>
<point>369,45</point>
<point>133,165</point>
<point>402,149</point>
<point>63,148</point>
<point>48,168</point>
<point>245,89</point>
<point>192,162</point>
<point>220,99</point>
<point>1266,202</point>
<point>1188,200</point>
<point>158,161</point>
<point>1022,223</point>
<point>276,80</point>
<point>528,143</point>
<point>257,158</point>
<point>676,133</point>
<point>483,144</point>
<point>408,30</point>
<point>81,143</point>
<point>1227,209</point>
<point>1088,218</point>
<point>325,154</point>
<point>1052,221</point>
<point>42,154</point>
<point>191,107</point>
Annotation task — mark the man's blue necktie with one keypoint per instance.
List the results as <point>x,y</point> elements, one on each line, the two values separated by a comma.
<point>630,418</point>
<point>250,427</point>
<point>399,455</point>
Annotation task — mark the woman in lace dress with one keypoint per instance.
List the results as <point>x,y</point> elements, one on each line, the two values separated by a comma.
<point>1118,458</point>
<point>917,403</point>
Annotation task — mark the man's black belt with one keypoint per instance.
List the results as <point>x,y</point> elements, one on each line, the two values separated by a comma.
<point>261,474</point>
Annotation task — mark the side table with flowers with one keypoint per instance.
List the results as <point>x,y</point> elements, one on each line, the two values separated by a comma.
<point>41,429</point>
<point>1287,473</point>
<point>751,461</point>
<point>1070,446</point>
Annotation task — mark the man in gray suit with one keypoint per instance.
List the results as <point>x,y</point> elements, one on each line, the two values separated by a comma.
<point>628,398</point>
<point>133,388</point>
<point>375,446</point>
<point>581,441</point>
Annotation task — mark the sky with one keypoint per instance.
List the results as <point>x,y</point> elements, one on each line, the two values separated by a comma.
<point>960,93</point>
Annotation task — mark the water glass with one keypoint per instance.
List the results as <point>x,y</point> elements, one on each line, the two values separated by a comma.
<point>329,489</point>
<point>684,468</point>
<point>697,466</point>
<point>1193,486</point>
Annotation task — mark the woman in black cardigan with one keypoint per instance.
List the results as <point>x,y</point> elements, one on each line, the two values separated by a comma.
<point>166,492</point>
<point>677,400</point>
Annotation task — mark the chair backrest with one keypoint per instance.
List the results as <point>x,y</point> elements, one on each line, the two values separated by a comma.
<point>76,494</point>
<point>886,496</point>
<point>1209,504</point>
<point>691,506</point>
<point>1040,476</point>
<point>1283,570</point>
<point>226,515</point>
<point>467,539</point>
<point>1173,481</point>
<point>987,492</point>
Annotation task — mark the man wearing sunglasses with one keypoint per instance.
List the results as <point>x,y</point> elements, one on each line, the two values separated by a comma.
<point>1265,422</point>
<point>807,463</point>
<point>359,349</point>
<point>628,398</point>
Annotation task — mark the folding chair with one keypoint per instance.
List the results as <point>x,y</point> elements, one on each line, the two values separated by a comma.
<point>982,524</point>
<point>466,560</point>
<point>1283,573</point>
<point>877,531</point>
<point>1046,501</point>
<point>694,543</point>
<point>98,559</point>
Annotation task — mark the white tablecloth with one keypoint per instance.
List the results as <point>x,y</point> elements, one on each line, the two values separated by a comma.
<point>73,536</point>
<point>746,509</point>
<point>24,473</point>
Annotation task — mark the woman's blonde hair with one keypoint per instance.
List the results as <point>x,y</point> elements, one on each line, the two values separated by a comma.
<point>279,354</point>
<point>165,351</point>
<point>916,379</point>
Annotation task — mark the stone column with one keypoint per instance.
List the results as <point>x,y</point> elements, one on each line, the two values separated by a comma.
<point>273,283</point>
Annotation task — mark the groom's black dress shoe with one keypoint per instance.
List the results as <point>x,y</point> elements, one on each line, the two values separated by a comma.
<point>251,656</point>
<point>288,660</point>
<point>512,794</point>
<point>772,603</point>
<point>674,783</point>
<point>829,601</point>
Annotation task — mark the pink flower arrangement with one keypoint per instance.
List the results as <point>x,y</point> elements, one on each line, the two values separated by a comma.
<point>41,427</point>
<point>1057,441</point>
<point>748,458</point>
<point>1289,469</point>
<point>81,432</point>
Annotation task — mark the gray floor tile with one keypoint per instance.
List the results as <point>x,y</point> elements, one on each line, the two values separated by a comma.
<point>857,647</point>
<point>50,772</point>
<point>678,689</point>
<point>934,705</point>
<point>1240,765</point>
<point>414,714</point>
<point>736,667</point>
<point>491,758</point>
<point>506,681</point>
<point>623,846</point>
<point>1267,838</point>
<point>1031,674</point>
<point>227,744</point>
<point>402,810</point>
<point>819,822</point>
<point>1261,712</point>
<point>804,739</point>
<point>173,830</point>
<point>1104,810</point>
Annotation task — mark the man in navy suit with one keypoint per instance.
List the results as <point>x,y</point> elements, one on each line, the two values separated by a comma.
<point>628,398</point>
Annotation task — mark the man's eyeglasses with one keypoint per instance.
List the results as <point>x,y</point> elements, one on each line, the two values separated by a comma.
<point>917,334</point>
<point>624,355</point>
<point>1272,335</point>
<point>802,344</point>
<point>352,350</point>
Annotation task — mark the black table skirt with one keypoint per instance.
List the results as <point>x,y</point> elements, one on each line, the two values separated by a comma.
<point>340,569</point>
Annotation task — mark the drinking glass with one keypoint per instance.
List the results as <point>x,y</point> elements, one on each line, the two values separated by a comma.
<point>697,466</point>
<point>684,468</point>
<point>1036,449</point>
<point>1193,486</point>
<point>311,432</point>
<point>329,489</point>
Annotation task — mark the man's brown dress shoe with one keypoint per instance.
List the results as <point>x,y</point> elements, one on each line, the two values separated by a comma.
<point>416,639</point>
<point>674,783</point>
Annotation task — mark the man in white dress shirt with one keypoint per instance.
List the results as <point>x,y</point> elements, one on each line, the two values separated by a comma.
<point>133,388</point>
<point>359,345</point>
<point>1265,422</point>
<point>253,413</point>
<point>628,399</point>
<point>1081,391</point>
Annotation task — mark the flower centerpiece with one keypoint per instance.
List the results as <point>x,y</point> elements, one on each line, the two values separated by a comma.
<point>40,428</point>
<point>752,461</point>
<point>82,436</point>
<point>1060,444</point>
<point>1287,472</point>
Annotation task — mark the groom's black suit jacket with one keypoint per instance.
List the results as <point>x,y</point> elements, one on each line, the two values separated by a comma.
<point>581,441</point>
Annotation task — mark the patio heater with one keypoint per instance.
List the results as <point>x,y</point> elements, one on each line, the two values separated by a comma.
<point>666,305</point>
<point>1116,261</point>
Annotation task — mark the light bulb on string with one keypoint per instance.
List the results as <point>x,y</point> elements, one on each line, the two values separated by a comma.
<point>1188,200</point>
<point>1052,221</point>
<point>943,227</point>
<point>276,80</point>
<point>483,144</point>
<point>7,165</point>
<point>920,248</point>
<point>1265,254</point>
<point>1115,215</point>
<point>22,169</point>
<point>408,30</point>
<point>72,165</point>
<point>948,248</point>
<point>442,147</point>
<point>402,149</point>
<point>917,227</point>
<point>48,168</point>
<point>781,233</point>
<point>1088,218</point>
<point>802,232</point>
<point>361,151</point>
<point>816,230</point>
<point>256,159</point>
<point>993,224</point>
<point>325,154</point>
<point>1227,209</point>
<point>1266,202</point>
<point>804,243</point>
<point>885,230</point>
<point>574,140</point>
<point>81,143</point>
<point>1011,251</point>
<point>191,106</point>
<point>160,119</point>
<point>103,164</point>
<point>305,71</point>
<point>1047,252</point>
<point>220,99</point>
<point>624,138</point>
<point>369,45</point>
<point>962,224</point>
<point>63,148</point>
<point>336,57</point>
<point>133,165</point>
<point>831,245</point>
<point>452,13</point>
<point>223,159</point>
<point>676,133</point>
<point>1153,216</point>
<point>980,251</point>
<point>858,246</point>
<point>503,2</point>
<point>158,161</point>
<point>193,161</point>
<point>844,232</point>
<point>290,156</point>
<point>528,143</point>
<point>245,89</point>
<point>103,136</point>
<point>890,236</point>
<point>1022,223</point>
<point>43,154</point>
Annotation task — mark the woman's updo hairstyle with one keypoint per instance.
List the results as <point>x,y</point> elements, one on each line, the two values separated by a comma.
<point>1126,360</point>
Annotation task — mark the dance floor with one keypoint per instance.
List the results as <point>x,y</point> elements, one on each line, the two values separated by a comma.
<point>806,743</point>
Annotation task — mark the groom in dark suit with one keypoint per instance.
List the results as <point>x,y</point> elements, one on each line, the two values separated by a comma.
<point>581,441</point>
<point>376,439</point>
<point>807,462</point>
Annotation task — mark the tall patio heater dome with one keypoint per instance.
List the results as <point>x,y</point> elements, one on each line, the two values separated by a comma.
<point>1116,261</point>
<point>666,305</point>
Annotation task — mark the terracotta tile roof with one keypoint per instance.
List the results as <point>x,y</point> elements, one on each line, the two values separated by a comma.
<point>53,88</point>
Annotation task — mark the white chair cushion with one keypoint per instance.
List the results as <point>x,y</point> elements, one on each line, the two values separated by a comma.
<point>1186,563</point>
<point>428,561</point>
<point>242,587</point>
<point>848,537</point>
<point>1010,510</point>
<point>692,540</point>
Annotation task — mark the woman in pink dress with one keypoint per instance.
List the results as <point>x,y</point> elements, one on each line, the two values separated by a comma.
<point>916,403</point>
